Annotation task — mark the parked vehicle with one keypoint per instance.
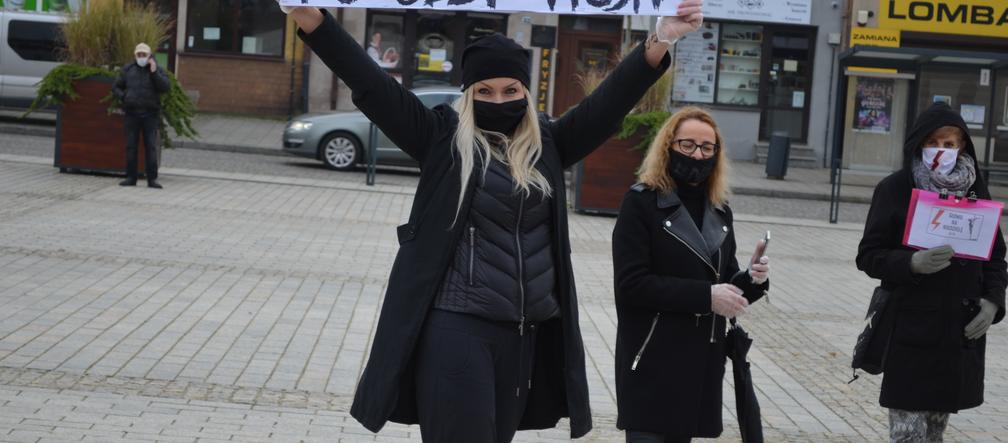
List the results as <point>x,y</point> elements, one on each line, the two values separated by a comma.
<point>29,49</point>
<point>340,139</point>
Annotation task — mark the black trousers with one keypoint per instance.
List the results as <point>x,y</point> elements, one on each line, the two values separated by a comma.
<point>651,437</point>
<point>147,123</point>
<point>472,378</point>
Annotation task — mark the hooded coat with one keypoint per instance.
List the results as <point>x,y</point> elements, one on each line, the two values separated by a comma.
<point>386,390</point>
<point>930,365</point>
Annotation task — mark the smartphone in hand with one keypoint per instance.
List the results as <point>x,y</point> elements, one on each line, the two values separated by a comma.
<point>761,248</point>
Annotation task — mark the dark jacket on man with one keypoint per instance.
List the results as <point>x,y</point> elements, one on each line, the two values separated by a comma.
<point>930,365</point>
<point>670,357</point>
<point>139,89</point>
<point>427,241</point>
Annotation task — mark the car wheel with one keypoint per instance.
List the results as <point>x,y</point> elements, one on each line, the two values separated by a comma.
<point>341,151</point>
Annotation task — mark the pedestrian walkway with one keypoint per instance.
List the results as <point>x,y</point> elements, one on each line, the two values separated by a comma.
<point>263,136</point>
<point>242,308</point>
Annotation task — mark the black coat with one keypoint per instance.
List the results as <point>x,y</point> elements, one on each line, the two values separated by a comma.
<point>139,89</point>
<point>386,390</point>
<point>664,268</point>
<point>929,365</point>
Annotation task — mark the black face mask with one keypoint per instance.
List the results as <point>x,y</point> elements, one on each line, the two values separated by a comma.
<point>500,117</point>
<point>686,169</point>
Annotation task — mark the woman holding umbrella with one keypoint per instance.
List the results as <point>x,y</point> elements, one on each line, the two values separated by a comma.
<point>478,335</point>
<point>677,283</point>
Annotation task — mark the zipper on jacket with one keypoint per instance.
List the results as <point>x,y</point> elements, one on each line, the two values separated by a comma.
<point>636,360</point>
<point>521,291</point>
<point>472,252</point>
<point>714,316</point>
<point>717,272</point>
<point>521,266</point>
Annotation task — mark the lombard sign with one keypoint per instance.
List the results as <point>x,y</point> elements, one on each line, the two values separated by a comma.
<point>776,11</point>
<point>966,17</point>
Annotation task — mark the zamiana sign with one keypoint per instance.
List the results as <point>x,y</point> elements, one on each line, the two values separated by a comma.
<point>615,7</point>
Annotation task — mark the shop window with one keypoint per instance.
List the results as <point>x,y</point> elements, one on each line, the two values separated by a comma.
<point>249,27</point>
<point>35,41</point>
<point>739,69</point>
<point>434,54</point>
<point>385,40</point>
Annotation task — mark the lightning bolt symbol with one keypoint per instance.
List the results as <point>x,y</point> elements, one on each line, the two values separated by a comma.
<point>937,216</point>
<point>934,164</point>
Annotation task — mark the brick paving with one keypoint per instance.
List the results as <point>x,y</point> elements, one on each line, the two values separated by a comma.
<point>238,307</point>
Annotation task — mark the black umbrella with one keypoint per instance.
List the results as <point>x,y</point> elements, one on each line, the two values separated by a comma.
<point>737,344</point>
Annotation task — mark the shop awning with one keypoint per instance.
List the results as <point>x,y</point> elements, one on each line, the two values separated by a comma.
<point>901,59</point>
<point>912,58</point>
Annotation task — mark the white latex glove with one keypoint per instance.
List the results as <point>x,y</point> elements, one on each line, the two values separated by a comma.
<point>688,18</point>
<point>760,271</point>
<point>978,327</point>
<point>727,300</point>
<point>285,9</point>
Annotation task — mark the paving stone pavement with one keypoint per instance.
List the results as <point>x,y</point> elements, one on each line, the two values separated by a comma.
<point>233,307</point>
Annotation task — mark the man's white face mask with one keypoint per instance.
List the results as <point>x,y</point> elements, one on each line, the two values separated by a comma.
<point>142,61</point>
<point>942,160</point>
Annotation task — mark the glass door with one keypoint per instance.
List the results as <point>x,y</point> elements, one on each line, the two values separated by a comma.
<point>788,82</point>
<point>1000,119</point>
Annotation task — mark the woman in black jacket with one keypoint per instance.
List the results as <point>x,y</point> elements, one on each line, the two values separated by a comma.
<point>942,305</point>
<point>478,335</point>
<point>677,282</point>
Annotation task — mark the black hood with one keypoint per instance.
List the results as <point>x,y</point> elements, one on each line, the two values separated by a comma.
<point>934,117</point>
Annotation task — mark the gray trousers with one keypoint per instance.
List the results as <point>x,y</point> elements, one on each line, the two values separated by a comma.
<point>917,426</point>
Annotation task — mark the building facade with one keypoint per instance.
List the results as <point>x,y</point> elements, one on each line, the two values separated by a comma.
<point>881,104</point>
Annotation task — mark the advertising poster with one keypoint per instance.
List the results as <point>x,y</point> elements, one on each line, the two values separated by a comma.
<point>873,105</point>
<point>695,63</point>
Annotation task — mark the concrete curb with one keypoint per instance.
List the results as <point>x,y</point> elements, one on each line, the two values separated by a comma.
<point>49,131</point>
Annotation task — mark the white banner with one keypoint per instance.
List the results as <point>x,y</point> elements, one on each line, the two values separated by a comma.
<point>614,7</point>
<point>776,11</point>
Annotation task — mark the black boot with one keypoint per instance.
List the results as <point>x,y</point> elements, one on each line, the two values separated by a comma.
<point>154,184</point>
<point>128,182</point>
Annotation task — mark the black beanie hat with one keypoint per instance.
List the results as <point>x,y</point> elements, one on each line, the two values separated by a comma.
<point>494,56</point>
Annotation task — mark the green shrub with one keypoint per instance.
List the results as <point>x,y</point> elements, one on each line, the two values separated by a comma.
<point>99,41</point>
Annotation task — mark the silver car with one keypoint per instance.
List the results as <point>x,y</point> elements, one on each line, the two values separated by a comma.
<point>340,139</point>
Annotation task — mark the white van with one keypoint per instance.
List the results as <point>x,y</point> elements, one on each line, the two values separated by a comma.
<point>29,49</point>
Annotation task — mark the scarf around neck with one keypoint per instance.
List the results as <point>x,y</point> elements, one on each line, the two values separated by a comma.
<point>959,180</point>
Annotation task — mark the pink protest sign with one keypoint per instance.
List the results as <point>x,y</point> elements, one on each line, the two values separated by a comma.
<point>968,226</point>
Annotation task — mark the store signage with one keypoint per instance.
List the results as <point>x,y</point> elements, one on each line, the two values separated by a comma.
<point>966,17</point>
<point>775,11</point>
<point>875,37</point>
<point>545,68</point>
<point>614,7</point>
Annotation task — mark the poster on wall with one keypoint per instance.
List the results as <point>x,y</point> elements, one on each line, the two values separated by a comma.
<point>873,105</point>
<point>695,62</point>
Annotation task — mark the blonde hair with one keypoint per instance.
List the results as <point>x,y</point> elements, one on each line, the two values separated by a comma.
<point>520,152</point>
<point>654,170</point>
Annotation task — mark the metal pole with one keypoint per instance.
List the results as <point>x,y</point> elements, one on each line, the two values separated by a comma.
<point>838,135</point>
<point>372,153</point>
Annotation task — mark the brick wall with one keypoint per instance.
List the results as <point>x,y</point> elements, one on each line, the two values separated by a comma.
<point>241,86</point>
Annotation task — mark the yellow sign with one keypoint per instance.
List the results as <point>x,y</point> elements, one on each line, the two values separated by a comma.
<point>966,17</point>
<point>875,37</point>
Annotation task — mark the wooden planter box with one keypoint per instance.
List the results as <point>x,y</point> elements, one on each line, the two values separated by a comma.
<point>604,177</point>
<point>87,137</point>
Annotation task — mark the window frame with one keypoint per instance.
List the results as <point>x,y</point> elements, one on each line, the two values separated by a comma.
<point>234,54</point>
<point>56,41</point>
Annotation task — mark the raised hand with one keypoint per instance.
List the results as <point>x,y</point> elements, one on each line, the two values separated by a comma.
<point>688,18</point>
